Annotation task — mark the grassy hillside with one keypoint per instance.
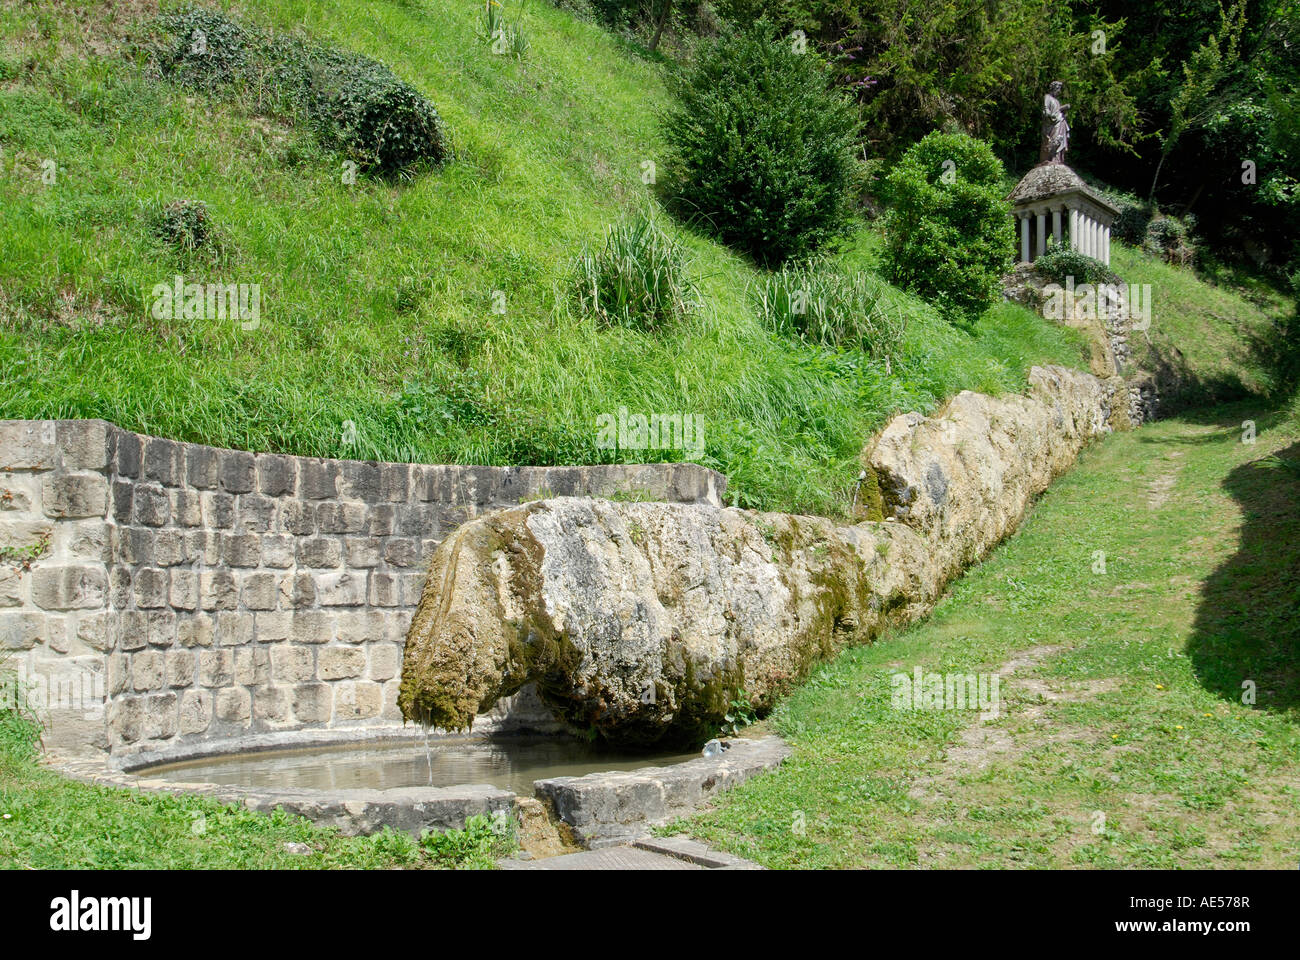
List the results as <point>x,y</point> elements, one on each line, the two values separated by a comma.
<point>378,338</point>
<point>377,297</point>
<point>1213,343</point>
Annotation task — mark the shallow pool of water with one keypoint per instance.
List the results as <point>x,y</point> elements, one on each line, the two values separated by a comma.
<point>508,764</point>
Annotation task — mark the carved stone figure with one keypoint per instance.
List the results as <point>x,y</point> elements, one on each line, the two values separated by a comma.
<point>1056,130</point>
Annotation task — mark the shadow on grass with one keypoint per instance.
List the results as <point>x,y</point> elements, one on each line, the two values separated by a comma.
<point>1248,623</point>
<point>1231,420</point>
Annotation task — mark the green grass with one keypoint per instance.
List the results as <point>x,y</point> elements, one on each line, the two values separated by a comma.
<point>1213,339</point>
<point>1123,739</point>
<point>50,822</point>
<point>378,298</point>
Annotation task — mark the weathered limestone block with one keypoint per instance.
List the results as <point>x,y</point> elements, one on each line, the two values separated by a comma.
<point>641,621</point>
<point>196,711</point>
<point>23,631</point>
<point>28,445</point>
<point>964,478</point>
<point>69,587</point>
<point>637,619</point>
<point>74,495</point>
<point>13,591</point>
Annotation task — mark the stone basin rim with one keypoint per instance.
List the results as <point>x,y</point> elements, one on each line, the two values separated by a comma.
<point>413,809</point>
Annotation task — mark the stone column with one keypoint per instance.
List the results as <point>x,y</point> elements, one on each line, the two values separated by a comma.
<point>1024,237</point>
<point>1056,225</point>
<point>1074,229</point>
<point>1105,245</point>
<point>1087,235</point>
<point>1042,235</point>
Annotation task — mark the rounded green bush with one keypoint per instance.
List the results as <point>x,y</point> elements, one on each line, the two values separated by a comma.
<point>1131,224</point>
<point>760,147</point>
<point>949,234</point>
<point>1168,238</point>
<point>356,105</point>
<point>1060,264</point>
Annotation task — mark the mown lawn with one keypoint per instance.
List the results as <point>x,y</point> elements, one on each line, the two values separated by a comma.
<point>1123,739</point>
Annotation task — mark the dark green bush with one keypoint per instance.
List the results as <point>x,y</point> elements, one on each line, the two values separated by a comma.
<point>183,224</point>
<point>1131,223</point>
<point>760,149</point>
<point>355,105</point>
<point>1168,239</point>
<point>202,49</point>
<point>948,230</point>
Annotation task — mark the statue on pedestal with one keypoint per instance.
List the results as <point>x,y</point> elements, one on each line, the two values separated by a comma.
<point>1056,130</point>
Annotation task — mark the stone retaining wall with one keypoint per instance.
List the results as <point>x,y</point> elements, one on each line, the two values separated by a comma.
<point>184,594</point>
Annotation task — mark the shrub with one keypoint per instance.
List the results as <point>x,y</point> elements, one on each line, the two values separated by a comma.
<point>382,123</point>
<point>183,224</point>
<point>1059,264</point>
<point>821,306</point>
<point>949,235</point>
<point>1168,239</point>
<point>760,149</point>
<point>356,105</point>
<point>636,279</point>
<point>1131,223</point>
<point>202,49</point>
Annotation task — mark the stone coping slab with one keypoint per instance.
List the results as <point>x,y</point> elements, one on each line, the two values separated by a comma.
<point>614,807</point>
<point>610,858</point>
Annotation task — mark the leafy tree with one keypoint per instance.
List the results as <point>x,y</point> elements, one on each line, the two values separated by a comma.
<point>1193,104</point>
<point>916,65</point>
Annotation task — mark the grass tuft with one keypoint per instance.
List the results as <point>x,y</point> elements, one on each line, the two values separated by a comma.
<point>637,279</point>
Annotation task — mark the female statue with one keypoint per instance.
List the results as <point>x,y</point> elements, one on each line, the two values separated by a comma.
<point>1056,131</point>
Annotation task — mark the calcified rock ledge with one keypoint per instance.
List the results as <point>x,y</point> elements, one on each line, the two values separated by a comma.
<point>641,621</point>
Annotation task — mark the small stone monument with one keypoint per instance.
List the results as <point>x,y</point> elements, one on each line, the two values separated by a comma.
<point>1051,190</point>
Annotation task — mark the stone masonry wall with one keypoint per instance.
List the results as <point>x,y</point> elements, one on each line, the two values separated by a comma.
<point>189,594</point>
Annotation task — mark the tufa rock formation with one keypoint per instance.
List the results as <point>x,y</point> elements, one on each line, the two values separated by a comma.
<point>640,622</point>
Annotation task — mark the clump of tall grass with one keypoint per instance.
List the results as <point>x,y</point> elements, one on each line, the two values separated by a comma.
<point>20,728</point>
<point>505,37</point>
<point>638,278</point>
<point>818,305</point>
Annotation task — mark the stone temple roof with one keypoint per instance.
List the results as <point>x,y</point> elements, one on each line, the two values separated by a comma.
<point>1050,180</point>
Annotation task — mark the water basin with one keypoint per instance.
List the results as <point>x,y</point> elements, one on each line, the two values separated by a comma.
<point>510,764</point>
